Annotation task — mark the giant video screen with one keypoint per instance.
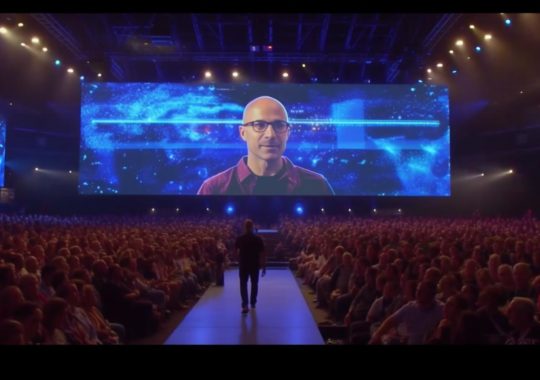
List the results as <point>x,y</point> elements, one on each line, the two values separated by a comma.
<point>264,139</point>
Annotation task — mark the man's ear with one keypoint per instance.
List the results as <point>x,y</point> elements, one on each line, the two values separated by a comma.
<point>242,131</point>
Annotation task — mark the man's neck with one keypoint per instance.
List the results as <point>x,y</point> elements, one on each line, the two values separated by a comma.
<point>264,168</point>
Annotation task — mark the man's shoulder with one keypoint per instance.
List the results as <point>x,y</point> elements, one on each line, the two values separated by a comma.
<point>218,181</point>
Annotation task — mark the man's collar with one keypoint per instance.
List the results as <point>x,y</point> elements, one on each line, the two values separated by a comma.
<point>290,172</point>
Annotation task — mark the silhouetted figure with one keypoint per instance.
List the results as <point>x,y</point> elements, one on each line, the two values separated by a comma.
<point>250,248</point>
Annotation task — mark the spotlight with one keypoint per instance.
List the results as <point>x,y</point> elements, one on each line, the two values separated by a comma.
<point>70,172</point>
<point>20,25</point>
<point>459,43</point>
<point>299,210</point>
<point>322,210</point>
<point>451,51</point>
<point>57,62</point>
<point>429,71</point>
<point>35,40</point>
<point>482,174</point>
<point>81,77</point>
<point>471,26</point>
<point>208,74</point>
<point>510,171</point>
<point>454,72</point>
<point>23,44</point>
<point>152,210</point>
<point>420,81</point>
<point>3,30</point>
<point>478,49</point>
<point>304,65</point>
<point>488,37</point>
<point>36,169</point>
<point>208,209</point>
<point>374,210</point>
<point>439,65</point>
<point>349,210</point>
<point>177,210</point>
<point>235,74</point>
<point>70,70</point>
<point>99,75</point>
<point>285,74</point>
<point>44,49</point>
<point>508,22</point>
<point>229,210</point>
<point>399,210</point>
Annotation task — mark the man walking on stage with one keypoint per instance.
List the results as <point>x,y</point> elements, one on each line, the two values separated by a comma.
<point>250,248</point>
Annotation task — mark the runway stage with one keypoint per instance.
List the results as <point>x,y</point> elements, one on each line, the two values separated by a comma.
<point>281,316</point>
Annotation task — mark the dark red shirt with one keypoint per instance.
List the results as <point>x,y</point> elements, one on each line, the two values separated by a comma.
<point>240,180</point>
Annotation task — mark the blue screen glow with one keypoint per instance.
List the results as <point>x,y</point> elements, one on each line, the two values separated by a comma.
<point>167,138</point>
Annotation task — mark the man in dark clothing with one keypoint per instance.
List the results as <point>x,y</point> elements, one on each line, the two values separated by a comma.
<point>250,248</point>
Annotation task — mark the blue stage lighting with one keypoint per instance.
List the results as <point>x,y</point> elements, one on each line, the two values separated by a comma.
<point>299,209</point>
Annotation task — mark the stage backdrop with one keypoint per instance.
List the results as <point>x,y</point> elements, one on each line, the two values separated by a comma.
<point>167,138</point>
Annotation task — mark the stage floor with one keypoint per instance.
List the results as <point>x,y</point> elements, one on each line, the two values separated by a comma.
<point>281,317</point>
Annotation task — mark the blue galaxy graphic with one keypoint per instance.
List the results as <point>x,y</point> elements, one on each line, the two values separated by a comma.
<point>167,138</point>
<point>2,150</point>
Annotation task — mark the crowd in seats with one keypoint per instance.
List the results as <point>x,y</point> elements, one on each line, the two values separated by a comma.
<point>103,280</point>
<point>422,280</point>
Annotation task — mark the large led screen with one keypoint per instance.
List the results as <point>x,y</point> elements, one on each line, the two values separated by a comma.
<point>264,139</point>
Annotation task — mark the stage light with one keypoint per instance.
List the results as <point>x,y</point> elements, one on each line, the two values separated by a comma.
<point>57,62</point>
<point>229,210</point>
<point>303,65</point>
<point>399,210</point>
<point>478,49</point>
<point>70,70</point>
<point>152,210</point>
<point>177,210</point>
<point>23,44</point>
<point>285,74</point>
<point>3,30</point>
<point>349,210</point>
<point>70,172</point>
<point>99,75</point>
<point>429,70</point>
<point>482,174</point>
<point>439,65</point>
<point>235,74</point>
<point>471,26</point>
<point>20,25</point>
<point>322,210</point>
<point>208,209</point>
<point>299,209</point>
<point>44,49</point>
<point>35,40</point>
<point>374,210</point>
<point>81,77</point>
<point>508,22</point>
<point>510,171</point>
<point>451,51</point>
<point>36,169</point>
<point>459,43</point>
<point>454,72</point>
<point>488,37</point>
<point>208,74</point>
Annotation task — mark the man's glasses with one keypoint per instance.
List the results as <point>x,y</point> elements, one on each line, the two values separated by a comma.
<point>279,126</point>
